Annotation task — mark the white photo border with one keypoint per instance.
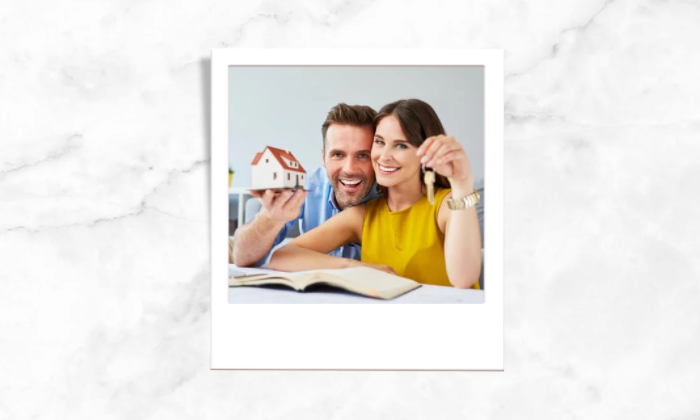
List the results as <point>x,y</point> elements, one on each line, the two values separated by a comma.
<point>358,337</point>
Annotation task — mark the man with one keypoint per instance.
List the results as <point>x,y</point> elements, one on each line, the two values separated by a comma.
<point>346,179</point>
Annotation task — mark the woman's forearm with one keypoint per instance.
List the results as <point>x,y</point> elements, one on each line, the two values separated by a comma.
<point>463,244</point>
<point>295,258</point>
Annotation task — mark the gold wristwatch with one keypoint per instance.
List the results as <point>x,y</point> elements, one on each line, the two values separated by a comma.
<point>465,202</point>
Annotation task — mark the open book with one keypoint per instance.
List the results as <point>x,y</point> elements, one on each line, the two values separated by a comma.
<point>362,280</point>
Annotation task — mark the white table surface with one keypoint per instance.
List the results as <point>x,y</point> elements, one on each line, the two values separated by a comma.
<point>424,294</point>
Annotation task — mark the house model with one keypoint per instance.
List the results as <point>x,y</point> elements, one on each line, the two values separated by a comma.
<point>277,168</point>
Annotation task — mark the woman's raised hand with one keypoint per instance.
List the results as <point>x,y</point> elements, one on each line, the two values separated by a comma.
<point>446,156</point>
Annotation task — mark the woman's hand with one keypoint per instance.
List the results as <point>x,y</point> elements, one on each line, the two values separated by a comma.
<point>384,268</point>
<point>445,155</point>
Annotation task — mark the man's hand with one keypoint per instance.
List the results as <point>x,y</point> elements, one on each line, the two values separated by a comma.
<point>281,206</point>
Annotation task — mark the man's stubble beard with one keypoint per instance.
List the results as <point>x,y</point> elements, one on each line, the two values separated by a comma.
<point>345,201</point>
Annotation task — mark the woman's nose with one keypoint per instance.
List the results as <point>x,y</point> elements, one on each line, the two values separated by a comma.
<point>386,155</point>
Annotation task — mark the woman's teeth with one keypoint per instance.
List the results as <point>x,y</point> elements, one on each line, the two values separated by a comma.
<point>350,182</point>
<point>387,169</point>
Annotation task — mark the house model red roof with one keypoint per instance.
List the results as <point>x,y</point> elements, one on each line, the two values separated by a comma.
<point>279,154</point>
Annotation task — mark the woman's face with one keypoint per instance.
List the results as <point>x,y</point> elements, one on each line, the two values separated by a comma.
<point>394,159</point>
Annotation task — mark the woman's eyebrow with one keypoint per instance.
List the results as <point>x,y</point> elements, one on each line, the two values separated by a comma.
<point>395,140</point>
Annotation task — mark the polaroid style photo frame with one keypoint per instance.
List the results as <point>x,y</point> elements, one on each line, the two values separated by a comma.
<point>361,336</point>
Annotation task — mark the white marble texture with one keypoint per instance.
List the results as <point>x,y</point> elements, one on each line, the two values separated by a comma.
<point>104,238</point>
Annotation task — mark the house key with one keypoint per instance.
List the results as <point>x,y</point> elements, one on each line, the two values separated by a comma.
<point>429,179</point>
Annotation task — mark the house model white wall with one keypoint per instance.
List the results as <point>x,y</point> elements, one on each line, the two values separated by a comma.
<point>277,168</point>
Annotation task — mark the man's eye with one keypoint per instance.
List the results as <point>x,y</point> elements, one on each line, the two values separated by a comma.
<point>336,155</point>
<point>363,156</point>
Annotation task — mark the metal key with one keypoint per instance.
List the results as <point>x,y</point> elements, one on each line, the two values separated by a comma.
<point>429,179</point>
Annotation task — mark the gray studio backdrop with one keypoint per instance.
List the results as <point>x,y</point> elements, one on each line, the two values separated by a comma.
<point>285,106</point>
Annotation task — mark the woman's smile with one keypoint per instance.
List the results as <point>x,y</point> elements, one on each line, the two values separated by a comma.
<point>387,170</point>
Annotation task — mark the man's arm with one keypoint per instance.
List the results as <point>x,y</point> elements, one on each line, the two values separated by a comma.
<point>253,241</point>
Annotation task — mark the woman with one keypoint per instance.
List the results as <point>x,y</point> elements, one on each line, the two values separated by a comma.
<point>401,232</point>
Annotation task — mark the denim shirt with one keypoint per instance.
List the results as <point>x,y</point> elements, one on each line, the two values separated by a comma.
<point>319,206</point>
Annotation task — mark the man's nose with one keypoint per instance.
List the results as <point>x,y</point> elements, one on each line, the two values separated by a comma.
<point>350,166</point>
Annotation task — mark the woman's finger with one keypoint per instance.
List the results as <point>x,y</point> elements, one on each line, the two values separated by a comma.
<point>453,165</point>
<point>423,147</point>
<point>430,153</point>
<point>388,269</point>
<point>431,149</point>
<point>442,151</point>
<point>454,156</point>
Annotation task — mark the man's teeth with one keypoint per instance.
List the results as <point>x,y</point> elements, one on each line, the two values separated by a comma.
<point>350,182</point>
<point>385,169</point>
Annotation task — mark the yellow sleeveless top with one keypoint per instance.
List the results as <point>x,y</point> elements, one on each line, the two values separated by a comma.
<point>408,240</point>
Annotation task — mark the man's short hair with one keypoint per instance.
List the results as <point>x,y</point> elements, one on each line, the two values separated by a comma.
<point>357,115</point>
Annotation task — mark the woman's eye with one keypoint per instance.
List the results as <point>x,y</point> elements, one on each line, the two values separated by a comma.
<point>402,146</point>
<point>379,142</point>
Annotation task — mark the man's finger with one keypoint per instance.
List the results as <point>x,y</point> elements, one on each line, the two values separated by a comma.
<point>283,196</point>
<point>269,198</point>
<point>296,200</point>
<point>269,194</point>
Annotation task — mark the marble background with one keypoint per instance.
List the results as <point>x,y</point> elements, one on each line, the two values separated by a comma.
<point>104,214</point>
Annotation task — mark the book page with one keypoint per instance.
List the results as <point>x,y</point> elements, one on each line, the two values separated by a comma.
<point>364,280</point>
<point>361,280</point>
<point>262,276</point>
<point>249,271</point>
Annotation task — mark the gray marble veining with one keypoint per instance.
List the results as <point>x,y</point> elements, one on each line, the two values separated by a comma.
<point>104,210</point>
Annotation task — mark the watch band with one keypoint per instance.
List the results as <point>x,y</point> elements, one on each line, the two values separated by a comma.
<point>465,202</point>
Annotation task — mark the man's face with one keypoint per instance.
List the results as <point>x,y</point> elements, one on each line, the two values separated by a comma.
<point>346,157</point>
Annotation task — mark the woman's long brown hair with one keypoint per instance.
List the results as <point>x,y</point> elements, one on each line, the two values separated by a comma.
<point>418,121</point>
